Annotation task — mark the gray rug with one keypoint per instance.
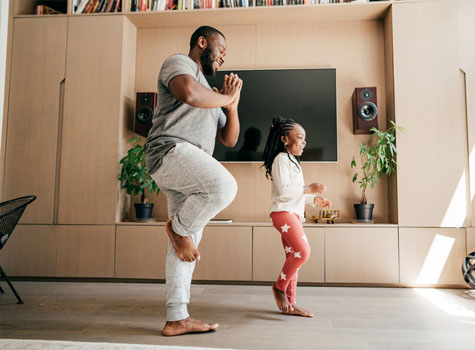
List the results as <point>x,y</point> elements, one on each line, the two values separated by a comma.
<point>26,344</point>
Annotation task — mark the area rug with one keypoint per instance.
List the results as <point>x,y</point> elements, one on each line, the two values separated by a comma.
<point>27,344</point>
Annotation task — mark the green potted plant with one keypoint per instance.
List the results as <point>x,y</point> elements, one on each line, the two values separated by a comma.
<point>377,159</point>
<point>135,179</point>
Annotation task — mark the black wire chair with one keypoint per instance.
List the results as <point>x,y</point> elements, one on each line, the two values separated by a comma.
<point>10,212</point>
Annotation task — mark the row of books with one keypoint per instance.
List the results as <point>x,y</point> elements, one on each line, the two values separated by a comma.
<point>97,6</point>
<point>163,5</point>
<point>302,2</point>
<point>166,5</point>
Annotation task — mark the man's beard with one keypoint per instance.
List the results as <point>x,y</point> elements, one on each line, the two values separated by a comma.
<point>207,62</point>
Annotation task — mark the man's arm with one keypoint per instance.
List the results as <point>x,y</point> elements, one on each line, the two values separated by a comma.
<point>228,135</point>
<point>186,89</point>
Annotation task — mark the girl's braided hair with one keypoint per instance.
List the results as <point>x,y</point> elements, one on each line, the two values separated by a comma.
<point>274,145</point>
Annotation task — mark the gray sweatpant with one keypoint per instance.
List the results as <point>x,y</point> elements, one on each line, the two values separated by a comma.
<point>197,187</point>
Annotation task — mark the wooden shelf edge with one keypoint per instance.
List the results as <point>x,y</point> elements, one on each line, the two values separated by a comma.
<point>259,15</point>
<point>256,224</point>
<point>248,15</point>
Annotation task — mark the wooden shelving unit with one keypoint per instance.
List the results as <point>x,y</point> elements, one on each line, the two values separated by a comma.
<point>229,16</point>
<point>261,15</point>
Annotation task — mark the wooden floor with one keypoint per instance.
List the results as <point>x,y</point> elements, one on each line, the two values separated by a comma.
<point>347,318</point>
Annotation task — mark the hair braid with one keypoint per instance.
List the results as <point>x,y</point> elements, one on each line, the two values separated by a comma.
<point>274,145</point>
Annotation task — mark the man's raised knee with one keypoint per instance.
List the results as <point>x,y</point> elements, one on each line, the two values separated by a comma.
<point>227,191</point>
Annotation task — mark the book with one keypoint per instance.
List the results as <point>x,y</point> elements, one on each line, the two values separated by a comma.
<point>81,6</point>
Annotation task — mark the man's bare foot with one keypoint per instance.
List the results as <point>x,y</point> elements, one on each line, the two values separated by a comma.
<point>184,247</point>
<point>188,325</point>
<point>281,300</point>
<point>299,312</point>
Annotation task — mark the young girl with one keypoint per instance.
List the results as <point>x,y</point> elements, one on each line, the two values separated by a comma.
<point>285,143</point>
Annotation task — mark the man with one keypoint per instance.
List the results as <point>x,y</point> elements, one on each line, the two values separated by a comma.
<point>180,145</point>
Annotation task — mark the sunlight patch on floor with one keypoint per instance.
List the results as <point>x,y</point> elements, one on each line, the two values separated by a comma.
<point>447,302</point>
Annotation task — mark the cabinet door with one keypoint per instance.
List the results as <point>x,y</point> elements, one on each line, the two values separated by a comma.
<point>432,256</point>
<point>30,251</point>
<point>92,114</point>
<point>226,254</point>
<point>361,255</point>
<point>85,251</point>
<point>269,256</point>
<point>37,70</point>
<point>141,251</point>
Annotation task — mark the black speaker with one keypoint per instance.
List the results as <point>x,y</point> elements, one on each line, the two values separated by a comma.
<point>365,110</point>
<point>145,105</point>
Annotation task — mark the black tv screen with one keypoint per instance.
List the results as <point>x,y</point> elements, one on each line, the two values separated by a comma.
<point>306,95</point>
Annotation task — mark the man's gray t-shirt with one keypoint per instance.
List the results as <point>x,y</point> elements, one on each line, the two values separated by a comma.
<point>175,121</point>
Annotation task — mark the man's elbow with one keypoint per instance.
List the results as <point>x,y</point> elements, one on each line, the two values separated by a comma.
<point>229,143</point>
<point>188,97</point>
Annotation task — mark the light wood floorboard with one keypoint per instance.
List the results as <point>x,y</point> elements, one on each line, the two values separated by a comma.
<point>346,318</point>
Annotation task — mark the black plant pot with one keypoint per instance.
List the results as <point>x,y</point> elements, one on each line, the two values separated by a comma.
<point>143,211</point>
<point>364,212</point>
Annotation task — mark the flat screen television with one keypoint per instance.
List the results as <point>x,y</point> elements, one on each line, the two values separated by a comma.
<point>306,95</point>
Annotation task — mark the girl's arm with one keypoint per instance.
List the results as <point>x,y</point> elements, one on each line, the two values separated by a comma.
<point>322,202</point>
<point>315,187</point>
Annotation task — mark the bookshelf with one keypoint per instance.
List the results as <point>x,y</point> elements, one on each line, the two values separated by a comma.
<point>261,15</point>
<point>26,7</point>
<point>236,15</point>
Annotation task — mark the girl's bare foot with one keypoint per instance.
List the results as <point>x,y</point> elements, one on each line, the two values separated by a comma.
<point>299,312</point>
<point>183,245</point>
<point>281,300</point>
<point>188,325</point>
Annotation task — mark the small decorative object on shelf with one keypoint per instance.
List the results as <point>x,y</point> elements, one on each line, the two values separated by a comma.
<point>328,216</point>
<point>45,10</point>
<point>468,269</point>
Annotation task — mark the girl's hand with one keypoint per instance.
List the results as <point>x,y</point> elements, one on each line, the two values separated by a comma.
<point>316,187</point>
<point>322,202</point>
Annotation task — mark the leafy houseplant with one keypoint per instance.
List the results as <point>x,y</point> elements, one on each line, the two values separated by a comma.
<point>135,179</point>
<point>377,159</point>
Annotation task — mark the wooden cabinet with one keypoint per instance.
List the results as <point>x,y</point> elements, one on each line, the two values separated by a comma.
<point>93,119</point>
<point>85,251</point>
<point>429,103</point>
<point>140,251</point>
<point>361,255</point>
<point>30,251</point>
<point>226,254</point>
<point>70,107</point>
<point>67,116</point>
<point>431,256</point>
<point>269,257</point>
<point>35,106</point>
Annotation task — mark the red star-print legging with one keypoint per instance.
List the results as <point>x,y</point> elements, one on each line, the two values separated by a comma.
<point>297,251</point>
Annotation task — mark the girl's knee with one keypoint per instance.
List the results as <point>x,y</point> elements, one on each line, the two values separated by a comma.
<point>305,253</point>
